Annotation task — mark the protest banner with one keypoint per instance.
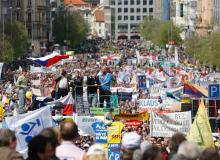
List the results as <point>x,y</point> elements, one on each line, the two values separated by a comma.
<point>114,151</point>
<point>114,132</point>
<point>100,132</point>
<point>148,104</point>
<point>165,125</point>
<point>102,111</point>
<point>138,116</point>
<point>155,90</point>
<point>142,81</point>
<point>85,123</point>
<point>29,125</point>
<point>133,123</point>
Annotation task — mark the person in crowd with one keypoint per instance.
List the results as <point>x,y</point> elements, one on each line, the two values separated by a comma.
<point>210,154</point>
<point>92,88</point>
<point>189,150</point>
<point>105,83</point>
<point>53,136</point>
<point>63,86</point>
<point>8,145</point>
<point>174,143</point>
<point>130,142</point>
<point>96,152</point>
<point>152,153</point>
<point>78,90</point>
<point>22,84</point>
<point>40,148</point>
<point>68,150</point>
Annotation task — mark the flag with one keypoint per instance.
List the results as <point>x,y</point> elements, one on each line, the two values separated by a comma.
<point>195,90</point>
<point>49,59</point>
<point>28,125</point>
<point>200,131</point>
<point>68,104</point>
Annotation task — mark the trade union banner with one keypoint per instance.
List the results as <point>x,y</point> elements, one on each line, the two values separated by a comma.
<point>148,104</point>
<point>165,125</point>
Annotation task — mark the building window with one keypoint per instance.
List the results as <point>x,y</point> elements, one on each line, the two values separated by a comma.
<point>138,18</point>
<point>144,2</point>
<point>100,24</point>
<point>125,18</point>
<point>29,3</point>
<point>151,10</point>
<point>29,17</point>
<point>119,10</point>
<point>126,2</point>
<point>145,10</point>
<point>112,2</point>
<point>138,10</point>
<point>122,26</point>
<point>151,2</point>
<point>132,18</point>
<point>18,3</point>
<point>100,31</point>
<point>18,16</point>
<point>29,32</point>
<point>138,2</point>
<point>119,2</point>
<point>181,10</point>
<point>132,2</point>
<point>132,10</point>
<point>125,10</point>
<point>119,18</point>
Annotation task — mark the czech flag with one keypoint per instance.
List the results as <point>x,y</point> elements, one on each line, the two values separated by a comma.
<point>195,90</point>
<point>49,60</point>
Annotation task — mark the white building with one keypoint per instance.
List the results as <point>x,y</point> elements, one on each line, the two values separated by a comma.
<point>98,22</point>
<point>126,15</point>
<point>216,15</point>
<point>184,14</point>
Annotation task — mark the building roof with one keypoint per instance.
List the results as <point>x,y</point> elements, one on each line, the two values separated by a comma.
<point>99,16</point>
<point>75,2</point>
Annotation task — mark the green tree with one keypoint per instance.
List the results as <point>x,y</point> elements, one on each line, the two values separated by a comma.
<point>159,32</point>
<point>6,51</point>
<point>69,26</point>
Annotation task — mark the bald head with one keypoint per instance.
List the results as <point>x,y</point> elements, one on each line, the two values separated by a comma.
<point>69,131</point>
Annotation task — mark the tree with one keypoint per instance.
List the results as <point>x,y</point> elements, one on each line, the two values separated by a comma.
<point>206,48</point>
<point>160,32</point>
<point>70,27</point>
<point>6,51</point>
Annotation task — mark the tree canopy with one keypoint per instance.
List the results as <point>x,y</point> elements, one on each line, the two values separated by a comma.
<point>70,27</point>
<point>16,42</point>
<point>160,32</point>
<point>206,48</point>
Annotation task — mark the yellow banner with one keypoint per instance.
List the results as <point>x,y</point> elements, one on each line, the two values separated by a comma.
<point>139,116</point>
<point>114,132</point>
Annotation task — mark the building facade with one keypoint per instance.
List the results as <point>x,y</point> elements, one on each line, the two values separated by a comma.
<point>216,15</point>
<point>126,16</point>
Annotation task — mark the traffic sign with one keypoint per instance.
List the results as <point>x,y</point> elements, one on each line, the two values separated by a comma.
<point>214,91</point>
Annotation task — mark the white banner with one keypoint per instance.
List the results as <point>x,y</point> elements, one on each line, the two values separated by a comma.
<point>165,125</point>
<point>85,123</point>
<point>155,90</point>
<point>148,104</point>
<point>29,125</point>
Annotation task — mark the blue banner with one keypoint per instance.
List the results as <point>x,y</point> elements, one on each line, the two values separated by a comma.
<point>100,132</point>
<point>114,151</point>
<point>142,81</point>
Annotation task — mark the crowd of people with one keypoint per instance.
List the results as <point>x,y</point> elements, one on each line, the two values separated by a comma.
<point>109,69</point>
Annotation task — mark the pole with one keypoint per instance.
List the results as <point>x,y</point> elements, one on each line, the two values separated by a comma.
<point>3,24</point>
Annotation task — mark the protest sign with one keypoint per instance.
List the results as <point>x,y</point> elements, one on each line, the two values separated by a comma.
<point>29,125</point>
<point>165,125</point>
<point>142,81</point>
<point>133,123</point>
<point>155,90</point>
<point>100,132</point>
<point>114,152</point>
<point>101,111</point>
<point>114,132</point>
<point>85,123</point>
<point>148,104</point>
<point>138,116</point>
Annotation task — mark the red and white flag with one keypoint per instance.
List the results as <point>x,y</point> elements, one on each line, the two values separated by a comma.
<point>68,104</point>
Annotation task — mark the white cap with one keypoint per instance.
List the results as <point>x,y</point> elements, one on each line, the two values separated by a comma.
<point>131,140</point>
<point>96,149</point>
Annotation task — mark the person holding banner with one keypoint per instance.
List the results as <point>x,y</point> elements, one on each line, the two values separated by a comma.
<point>22,84</point>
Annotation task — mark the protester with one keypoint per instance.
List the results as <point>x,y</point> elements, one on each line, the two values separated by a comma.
<point>152,153</point>
<point>189,150</point>
<point>40,148</point>
<point>69,132</point>
<point>8,145</point>
<point>96,152</point>
<point>63,86</point>
<point>22,84</point>
<point>210,154</point>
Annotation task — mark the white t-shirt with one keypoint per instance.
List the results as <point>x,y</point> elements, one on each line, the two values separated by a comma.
<point>63,84</point>
<point>69,151</point>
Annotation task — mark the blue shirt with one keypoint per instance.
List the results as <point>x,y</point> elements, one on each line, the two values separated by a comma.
<point>105,81</point>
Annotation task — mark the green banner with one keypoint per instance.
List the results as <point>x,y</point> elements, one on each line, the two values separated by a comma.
<point>96,110</point>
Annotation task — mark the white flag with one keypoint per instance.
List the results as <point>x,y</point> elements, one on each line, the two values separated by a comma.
<point>28,125</point>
